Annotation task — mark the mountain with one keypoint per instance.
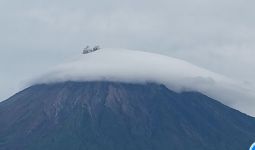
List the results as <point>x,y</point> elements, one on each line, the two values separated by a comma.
<point>99,115</point>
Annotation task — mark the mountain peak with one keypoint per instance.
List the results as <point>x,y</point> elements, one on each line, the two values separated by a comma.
<point>129,66</point>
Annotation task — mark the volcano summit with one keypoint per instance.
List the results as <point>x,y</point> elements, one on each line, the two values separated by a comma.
<point>126,100</point>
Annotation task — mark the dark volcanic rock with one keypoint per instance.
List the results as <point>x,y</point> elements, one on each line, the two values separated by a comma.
<point>119,116</point>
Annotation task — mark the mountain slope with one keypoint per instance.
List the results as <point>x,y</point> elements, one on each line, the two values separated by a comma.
<point>119,116</point>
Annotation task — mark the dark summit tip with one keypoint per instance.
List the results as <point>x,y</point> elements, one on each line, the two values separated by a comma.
<point>87,49</point>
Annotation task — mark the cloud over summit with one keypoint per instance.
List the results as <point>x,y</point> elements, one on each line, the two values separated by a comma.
<point>140,67</point>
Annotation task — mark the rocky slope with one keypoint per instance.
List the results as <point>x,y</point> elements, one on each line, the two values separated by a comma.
<point>119,116</point>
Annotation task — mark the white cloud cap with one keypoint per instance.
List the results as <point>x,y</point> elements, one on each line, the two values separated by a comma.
<point>141,67</point>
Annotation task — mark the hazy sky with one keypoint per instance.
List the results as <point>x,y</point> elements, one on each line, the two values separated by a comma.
<point>37,34</point>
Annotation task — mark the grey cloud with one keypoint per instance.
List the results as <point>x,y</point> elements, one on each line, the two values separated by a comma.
<point>215,34</point>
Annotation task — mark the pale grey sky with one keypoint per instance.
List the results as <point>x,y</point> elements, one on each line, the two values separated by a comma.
<point>37,34</point>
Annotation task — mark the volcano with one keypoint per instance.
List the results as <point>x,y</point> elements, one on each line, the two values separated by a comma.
<point>101,115</point>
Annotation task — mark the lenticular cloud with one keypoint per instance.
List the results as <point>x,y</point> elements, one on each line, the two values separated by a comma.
<point>141,67</point>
